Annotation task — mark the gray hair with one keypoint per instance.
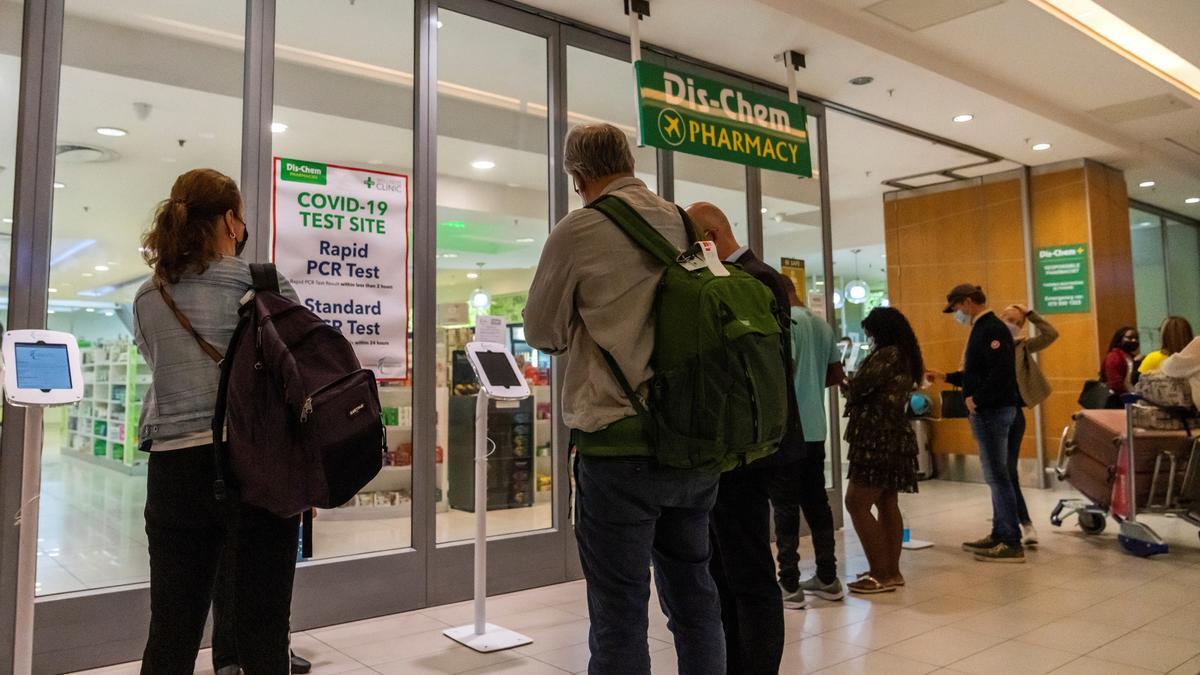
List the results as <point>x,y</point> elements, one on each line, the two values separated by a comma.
<point>596,150</point>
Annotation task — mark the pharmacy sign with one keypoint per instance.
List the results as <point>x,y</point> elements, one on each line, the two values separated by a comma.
<point>687,113</point>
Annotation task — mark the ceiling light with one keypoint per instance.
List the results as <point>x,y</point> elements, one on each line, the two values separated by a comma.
<point>111,131</point>
<point>50,311</point>
<point>472,275</point>
<point>8,220</point>
<point>764,209</point>
<point>965,117</point>
<point>1147,184</point>
<point>53,290</point>
<point>1041,146</point>
<point>59,186</point>
<point>861,80</point>
<point>101,268</point>
<point>526,240</point>
<point>278,127</point>
<point>449,255</point>
<point>483,164</point>
<point>1088,17</point>
<point>109,313</point>
<point>90,309</point>
<point>1192,200</point>
<point>439,23</point>
<point>480,299</point>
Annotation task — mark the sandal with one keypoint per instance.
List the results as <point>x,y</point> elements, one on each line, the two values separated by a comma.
<point>868,585</point>
<point>897,583</point>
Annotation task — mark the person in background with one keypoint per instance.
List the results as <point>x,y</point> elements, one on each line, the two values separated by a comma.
<point>594,290</point>
<point>883,447</point>
<point>740,526</point>
<point>800,485</point>
<point>1120,363</point>
<point>989,383</point>
<point>1185,364</point>
<point>1176,335</point>
<point>1034,388</point>
<point>193,298</point>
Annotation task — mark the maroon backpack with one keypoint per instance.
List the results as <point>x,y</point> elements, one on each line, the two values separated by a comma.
<point>304,424</point>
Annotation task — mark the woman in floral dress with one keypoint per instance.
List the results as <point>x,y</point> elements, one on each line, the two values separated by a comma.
<point>883,449</point>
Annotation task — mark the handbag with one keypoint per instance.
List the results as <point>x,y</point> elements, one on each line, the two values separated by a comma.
<point>954,405</point>
<point>1095,396</point>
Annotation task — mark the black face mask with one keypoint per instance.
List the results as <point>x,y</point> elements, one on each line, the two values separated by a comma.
<point>241,245</point>
<point>1130,346</point>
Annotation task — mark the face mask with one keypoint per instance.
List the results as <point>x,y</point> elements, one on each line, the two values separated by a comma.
<point>1130,346</point>
<point>1014,329</point>
<point>241,245</point>
<point>961,317</point>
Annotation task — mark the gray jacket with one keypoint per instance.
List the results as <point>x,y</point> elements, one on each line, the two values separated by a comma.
<point>594,287</point>
<point>1030,381</point>
<point>183,394</point>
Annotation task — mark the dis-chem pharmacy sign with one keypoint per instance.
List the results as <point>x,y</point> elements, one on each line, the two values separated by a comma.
<point>686,113</point>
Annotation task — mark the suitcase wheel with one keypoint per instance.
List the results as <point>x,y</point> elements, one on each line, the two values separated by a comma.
<point>1092,523</point>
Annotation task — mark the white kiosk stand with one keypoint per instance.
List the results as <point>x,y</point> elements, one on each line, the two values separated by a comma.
<point>42,368</point>
<point>498,379</point>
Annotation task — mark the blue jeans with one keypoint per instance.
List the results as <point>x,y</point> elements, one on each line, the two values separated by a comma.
<point>1015,434</point>
<point>631,513</point>
<point>991,429</point>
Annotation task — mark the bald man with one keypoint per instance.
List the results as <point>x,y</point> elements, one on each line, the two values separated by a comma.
<point>740,525</point>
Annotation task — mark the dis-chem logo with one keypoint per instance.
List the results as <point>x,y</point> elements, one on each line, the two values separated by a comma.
<point>369,182</point>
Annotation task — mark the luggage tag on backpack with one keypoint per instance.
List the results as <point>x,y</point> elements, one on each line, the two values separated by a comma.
<point>702,254</point>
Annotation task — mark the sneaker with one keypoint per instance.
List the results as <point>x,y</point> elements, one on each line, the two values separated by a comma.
<point>1029,535</point>
<point>1002,553</point>
<point>830,591</point>
<point>984,544</point>
<point>794,599</point>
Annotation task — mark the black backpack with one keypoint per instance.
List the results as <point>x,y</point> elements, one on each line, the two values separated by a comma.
<point>304,424</point>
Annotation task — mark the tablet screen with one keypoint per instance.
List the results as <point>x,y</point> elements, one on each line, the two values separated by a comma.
<point>498,369</point>
<point>42,366</point>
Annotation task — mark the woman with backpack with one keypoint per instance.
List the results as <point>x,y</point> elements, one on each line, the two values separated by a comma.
<point>184,316</point>
<point>883,448</point>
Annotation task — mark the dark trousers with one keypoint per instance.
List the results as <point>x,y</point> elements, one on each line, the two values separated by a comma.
<point>189,533</point>
<point>795,487</point>
<point>991,428</point>
<point>743,568</point>
<point>1015,433</point>
<point>631,513</point>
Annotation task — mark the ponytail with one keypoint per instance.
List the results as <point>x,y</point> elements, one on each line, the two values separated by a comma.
<point>183,235</point>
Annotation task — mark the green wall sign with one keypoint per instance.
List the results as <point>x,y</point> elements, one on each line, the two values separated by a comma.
<point>687,113</point>
<point>1062,279</point>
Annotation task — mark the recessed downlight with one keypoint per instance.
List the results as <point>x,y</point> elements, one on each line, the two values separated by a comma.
<point>526,240</point>
<point>8,220</point>
<point>114,132</point>
<point>1038,147</point>
<point>59,186</point>
<point>483,164</point>
<point>1192,200</point>
<point>53,290</point>
<point>764,209</point>
<point>965,117</point>
<point>472,275</point>
<point>278,127</point>
<point>101,268</point>
<point>1147,184</point>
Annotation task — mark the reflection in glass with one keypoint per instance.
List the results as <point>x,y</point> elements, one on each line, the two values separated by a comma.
<point>492,220</point>
<point>700,179</point>
<point>1149,276</point>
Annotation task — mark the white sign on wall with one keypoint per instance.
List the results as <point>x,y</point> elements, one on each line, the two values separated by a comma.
<point>341,239</point>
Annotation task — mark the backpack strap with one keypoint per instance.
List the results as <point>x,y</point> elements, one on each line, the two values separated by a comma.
<point>620,377</point>
<point>264,277</point>
<point>636,228</point>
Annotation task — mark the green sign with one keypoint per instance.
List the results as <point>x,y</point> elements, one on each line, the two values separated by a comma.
<point>1062,279</point>
<point>687,113</point>
<point>299,171</point>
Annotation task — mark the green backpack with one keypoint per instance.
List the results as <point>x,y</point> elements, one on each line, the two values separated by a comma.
<point>718,398</point>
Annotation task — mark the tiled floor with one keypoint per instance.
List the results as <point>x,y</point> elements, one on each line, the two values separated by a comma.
<point>1079,605</point>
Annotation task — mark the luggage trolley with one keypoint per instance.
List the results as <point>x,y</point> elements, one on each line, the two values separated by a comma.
<point>1107,474</point>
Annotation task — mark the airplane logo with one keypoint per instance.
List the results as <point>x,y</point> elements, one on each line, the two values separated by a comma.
<point>670,125</point>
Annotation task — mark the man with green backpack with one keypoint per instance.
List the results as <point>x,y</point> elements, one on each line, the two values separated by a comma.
<point>672,377</point>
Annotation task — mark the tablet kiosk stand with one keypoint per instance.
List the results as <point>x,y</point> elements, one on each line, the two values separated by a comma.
<point>481,635</point>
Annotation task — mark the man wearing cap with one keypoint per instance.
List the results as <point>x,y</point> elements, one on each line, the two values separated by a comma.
<point>989,383</point>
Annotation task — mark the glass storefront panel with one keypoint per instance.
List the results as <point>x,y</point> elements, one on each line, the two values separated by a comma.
<point>599,89</point>
<point>492,220</point>
<point>10,78</point>
<point>792,231</point>
<point>1149,276</point>
<point>348,101</point>
<point>1183,265</point>
<point>148,91</point>
<point>700,179</point>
